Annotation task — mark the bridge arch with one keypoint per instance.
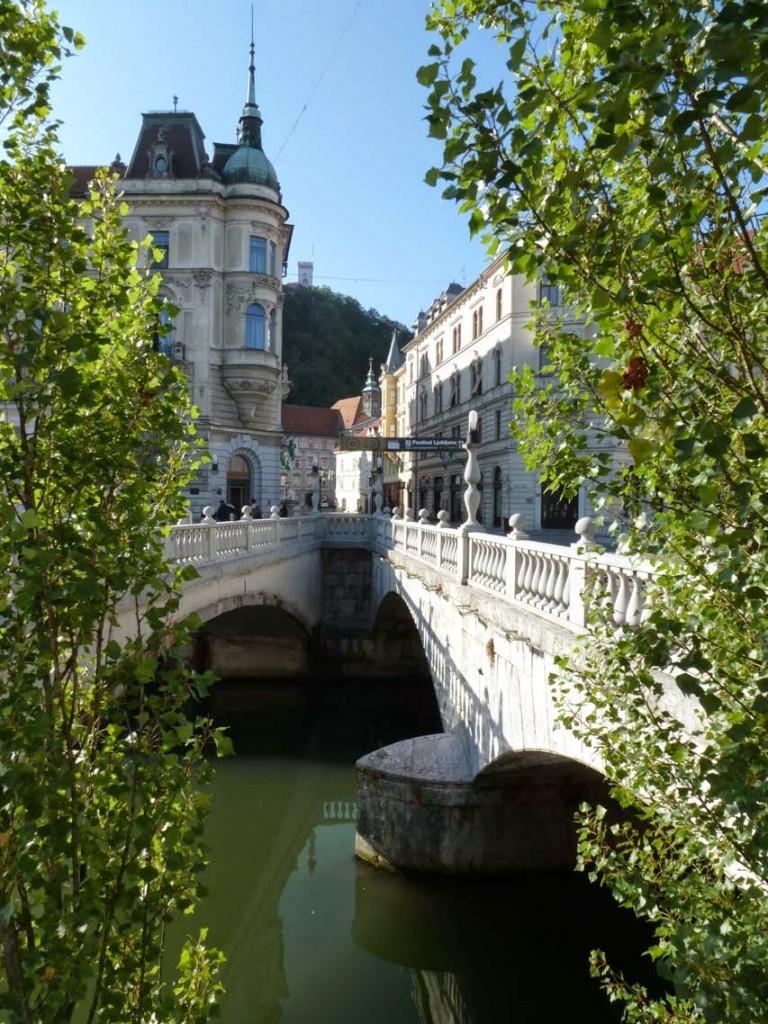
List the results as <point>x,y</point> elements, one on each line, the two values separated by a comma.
<point>253,640</point>
<point>396,640</point>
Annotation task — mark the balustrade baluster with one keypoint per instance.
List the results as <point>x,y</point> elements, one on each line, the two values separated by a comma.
<point>621,601</point>
<point>548,586</point>
<point>530,571</point>
<point>560,584</point>
<point>536,581</point>
<point>635,606</point>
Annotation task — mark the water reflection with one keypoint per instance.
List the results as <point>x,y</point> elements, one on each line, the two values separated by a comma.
<point>313,936</point>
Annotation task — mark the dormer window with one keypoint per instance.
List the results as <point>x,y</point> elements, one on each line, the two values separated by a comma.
<point>159,156</point>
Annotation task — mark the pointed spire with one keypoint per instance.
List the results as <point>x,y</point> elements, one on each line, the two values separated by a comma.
<point>371,384</point>
<point>250,119</point>
<point>395,357</point>
<point>371,396</point>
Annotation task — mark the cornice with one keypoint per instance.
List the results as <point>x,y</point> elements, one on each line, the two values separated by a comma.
<point>460,304</point>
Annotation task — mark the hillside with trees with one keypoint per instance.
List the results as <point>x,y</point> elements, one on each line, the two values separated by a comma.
<point>327,341</point>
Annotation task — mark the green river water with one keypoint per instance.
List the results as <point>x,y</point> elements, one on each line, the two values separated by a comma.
<point>314,937</point>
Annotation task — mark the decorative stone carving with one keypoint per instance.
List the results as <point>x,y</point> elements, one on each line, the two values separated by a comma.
<point>253,387</point>
<point>178,282</point>
<point>239,295</point>
<point>202,278</point>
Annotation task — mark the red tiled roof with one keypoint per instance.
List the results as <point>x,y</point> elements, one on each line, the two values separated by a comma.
<point>366,427</point>
<point>350,410</point>
<point>309,419</point>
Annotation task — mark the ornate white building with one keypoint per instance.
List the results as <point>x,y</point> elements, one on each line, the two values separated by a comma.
<point>462,353</point>
<point>223,238</point>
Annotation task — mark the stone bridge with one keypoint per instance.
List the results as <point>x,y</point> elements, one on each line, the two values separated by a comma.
<point>489,613</point>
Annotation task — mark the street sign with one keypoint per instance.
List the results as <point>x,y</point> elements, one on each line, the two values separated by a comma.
<point>422,444</point>
<point>400,444</point>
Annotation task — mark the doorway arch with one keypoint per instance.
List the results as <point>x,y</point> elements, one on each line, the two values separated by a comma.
<point>239,481</point>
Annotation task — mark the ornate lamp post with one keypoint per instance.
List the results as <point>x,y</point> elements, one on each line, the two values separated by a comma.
<point>378,486</point>
<point>471,475</point>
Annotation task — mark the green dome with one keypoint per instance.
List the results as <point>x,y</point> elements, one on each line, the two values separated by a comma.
<point>248,165</point>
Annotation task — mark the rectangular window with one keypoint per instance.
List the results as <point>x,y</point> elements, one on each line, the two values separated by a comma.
<point>498,424</point>
<point>439,352</point>
<point>477,322</point>
<point>160,241</point>
<point>549,294</point>
<point>257,255</point>
<point>272,259</point>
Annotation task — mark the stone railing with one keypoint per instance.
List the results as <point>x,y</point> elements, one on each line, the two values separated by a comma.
<point>556,581</point>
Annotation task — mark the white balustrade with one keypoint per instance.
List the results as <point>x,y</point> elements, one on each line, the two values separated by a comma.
<point>555,581</point>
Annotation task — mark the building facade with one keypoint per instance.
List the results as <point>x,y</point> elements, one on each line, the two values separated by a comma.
<point>460,358</point>
<point>309,458</point>
<point>221,239</point>
<point>356,470</point>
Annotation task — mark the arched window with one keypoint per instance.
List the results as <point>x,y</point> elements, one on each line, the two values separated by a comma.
<point>162,340</point>
<point>497,365</point>
<point>455,390</point>
<point>498,304</point>
<point>497,497</point>
<point>476,377</point>
<point>255,326</point>
<point>422,405</point>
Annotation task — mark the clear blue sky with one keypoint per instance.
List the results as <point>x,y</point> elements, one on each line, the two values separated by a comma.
<point>343,123</point>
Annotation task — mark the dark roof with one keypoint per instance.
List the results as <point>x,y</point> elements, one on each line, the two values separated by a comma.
<point>395,358</point>
<point>184,136</point>
<point>310,419</point>
<point>83,175</point>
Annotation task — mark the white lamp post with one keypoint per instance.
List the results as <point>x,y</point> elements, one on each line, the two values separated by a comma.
<point>471,475</point>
